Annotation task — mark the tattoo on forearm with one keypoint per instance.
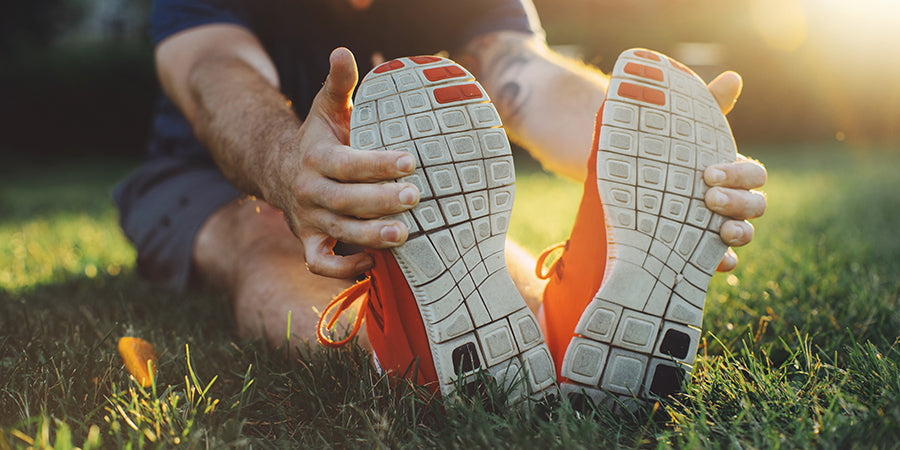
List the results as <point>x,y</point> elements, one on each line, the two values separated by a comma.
<point>504,68</point>
<point>509,101</point>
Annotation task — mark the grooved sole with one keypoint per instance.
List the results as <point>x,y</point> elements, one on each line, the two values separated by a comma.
<point>661,128</point>
<point>454,258</point>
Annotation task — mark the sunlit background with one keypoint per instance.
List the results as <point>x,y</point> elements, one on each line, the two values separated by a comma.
<point>814,70</point>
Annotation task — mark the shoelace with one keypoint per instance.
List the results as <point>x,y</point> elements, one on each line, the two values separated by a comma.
<point>555,266</point>
<point>343,302</point>
<point>346,299</point>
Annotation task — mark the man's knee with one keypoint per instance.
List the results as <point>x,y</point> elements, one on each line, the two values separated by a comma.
<point>240,235</point>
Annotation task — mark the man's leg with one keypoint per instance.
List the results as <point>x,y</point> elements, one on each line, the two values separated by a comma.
<point>521,265</point>
<point>247,247</point>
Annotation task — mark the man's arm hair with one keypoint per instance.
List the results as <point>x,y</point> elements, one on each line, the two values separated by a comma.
<point>547,102</point>
<point>225,84</point>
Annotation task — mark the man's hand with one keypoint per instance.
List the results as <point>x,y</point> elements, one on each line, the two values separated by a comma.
<point>327,190</point>
<point>532,88</point>
<point>227,87</point>
<point>731,193</point>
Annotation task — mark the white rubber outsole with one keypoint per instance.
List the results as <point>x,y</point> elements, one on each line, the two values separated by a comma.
<point>454,258</point>
<point>639,335</point>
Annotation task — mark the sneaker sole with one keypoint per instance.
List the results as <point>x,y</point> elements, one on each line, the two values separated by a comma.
<point>453,259</point>
<point>660,129</point>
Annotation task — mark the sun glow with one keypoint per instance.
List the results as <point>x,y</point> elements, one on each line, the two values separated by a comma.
<point>780,23</point>
<point>846,51</point>
<point>838,24</point>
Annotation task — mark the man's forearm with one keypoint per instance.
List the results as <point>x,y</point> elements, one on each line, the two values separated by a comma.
<point>547,102</point>
<point>244,122</point>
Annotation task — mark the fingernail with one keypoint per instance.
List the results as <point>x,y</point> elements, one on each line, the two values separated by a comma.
<point>736,235</point>
<point>406,163</point>
<point>719,199</point>
<point>391,234</point>
<point>716,176</point>
<point>409,196</point>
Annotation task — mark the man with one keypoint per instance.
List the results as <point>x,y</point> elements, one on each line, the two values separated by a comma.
<point>241,82</point>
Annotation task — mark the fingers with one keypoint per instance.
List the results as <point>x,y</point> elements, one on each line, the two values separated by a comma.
<point>363,200</point>
<point>729,261</point>
<point>342,77</point>
<point>321,260</point>
<point>726,89</point>
<point>348,182</point>
<point>743,174</point>
<point>359,166</point>
<point>730,194</point>
<point>736,233</point>
<point>319,241</point>
<point>333,102</point>
<point>320,227</point>
<point>373,233</point>
<point>736,203</point>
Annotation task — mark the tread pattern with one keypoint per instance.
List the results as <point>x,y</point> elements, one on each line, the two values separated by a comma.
<point>661,128</point>
<point>454,257</point>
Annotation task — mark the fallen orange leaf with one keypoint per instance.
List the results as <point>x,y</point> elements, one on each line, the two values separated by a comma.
<point>136,352</point>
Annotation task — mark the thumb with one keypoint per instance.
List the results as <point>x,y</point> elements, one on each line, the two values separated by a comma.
<point>338,89</point>
<point>726,89</point>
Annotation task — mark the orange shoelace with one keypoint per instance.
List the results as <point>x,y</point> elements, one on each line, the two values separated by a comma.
<point>539,267</point>
<point>343,302</point>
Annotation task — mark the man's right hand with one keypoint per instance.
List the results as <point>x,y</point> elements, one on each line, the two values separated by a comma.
<point>227,87</point>
<point>329,191</point>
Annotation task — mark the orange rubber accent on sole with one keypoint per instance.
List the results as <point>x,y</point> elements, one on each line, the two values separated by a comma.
<point>388,66</point>
<point>647,55</point>
<point>642,93</point>
<point>640,70</point>
<point>425,59</point>
<point>458,93</point>
<point>681,67</point>
<point>443,73</point>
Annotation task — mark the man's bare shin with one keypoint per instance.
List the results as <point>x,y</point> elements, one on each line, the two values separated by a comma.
<point>247,248</point>
<point>520,264</point>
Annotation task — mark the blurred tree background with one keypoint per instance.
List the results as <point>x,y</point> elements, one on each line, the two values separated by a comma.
<point>77,75</point>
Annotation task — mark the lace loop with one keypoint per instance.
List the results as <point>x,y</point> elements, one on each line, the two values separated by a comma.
<point>341,303</point>
<point>539,267</point>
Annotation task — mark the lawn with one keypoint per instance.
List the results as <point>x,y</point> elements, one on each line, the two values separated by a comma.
<point>800,344</point>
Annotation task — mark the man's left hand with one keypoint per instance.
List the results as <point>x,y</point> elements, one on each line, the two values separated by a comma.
<point>732,186</point>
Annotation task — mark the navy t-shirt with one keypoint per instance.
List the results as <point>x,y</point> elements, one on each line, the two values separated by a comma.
<point>299,35</point>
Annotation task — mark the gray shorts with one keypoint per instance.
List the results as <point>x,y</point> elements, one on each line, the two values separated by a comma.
<point>162,206</point>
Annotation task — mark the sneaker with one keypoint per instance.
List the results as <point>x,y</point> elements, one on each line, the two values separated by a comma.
<point>444,300</point>
<point>624,304</point>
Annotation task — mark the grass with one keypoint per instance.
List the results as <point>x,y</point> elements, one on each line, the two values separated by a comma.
<point>801,342</point>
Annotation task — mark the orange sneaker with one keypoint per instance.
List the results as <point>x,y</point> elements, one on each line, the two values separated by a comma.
<point>624,304</point>
<point>444,300</point>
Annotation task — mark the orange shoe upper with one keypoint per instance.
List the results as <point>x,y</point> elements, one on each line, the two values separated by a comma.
<point>393,322</point>
<point>576,276</point>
